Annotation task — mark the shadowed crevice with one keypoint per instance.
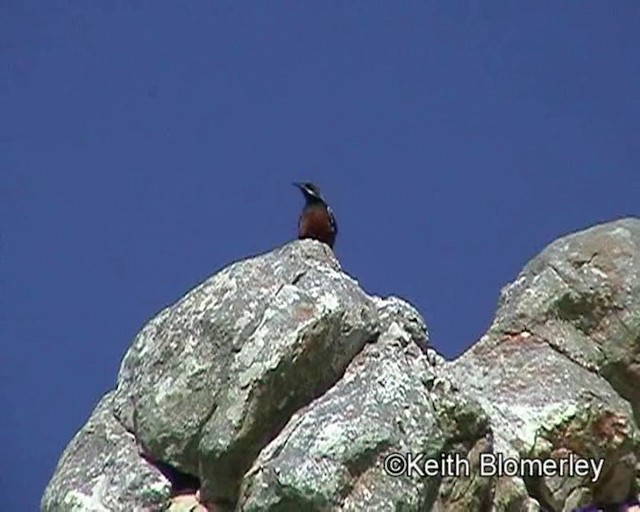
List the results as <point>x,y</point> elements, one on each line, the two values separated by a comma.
<point>181,482</point>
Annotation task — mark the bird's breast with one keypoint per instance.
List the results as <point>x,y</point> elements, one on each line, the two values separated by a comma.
<point>316,222</point>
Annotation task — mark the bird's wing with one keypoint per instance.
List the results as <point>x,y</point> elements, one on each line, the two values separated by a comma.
<point>332,218</point>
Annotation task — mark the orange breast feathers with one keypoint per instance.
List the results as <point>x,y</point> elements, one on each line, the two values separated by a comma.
<point>315,222</point>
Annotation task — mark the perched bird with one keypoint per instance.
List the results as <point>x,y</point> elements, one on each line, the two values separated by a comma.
<point>316,220</point>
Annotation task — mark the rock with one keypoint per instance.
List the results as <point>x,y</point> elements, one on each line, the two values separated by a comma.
<point>279,384</point>
<point>337,451</point>
<point>556,370</point>
<point>101,470</point>
<point>211,380</point>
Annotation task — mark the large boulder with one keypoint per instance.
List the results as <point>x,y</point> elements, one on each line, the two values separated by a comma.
<point>212,379</point>
<point>558,370</point>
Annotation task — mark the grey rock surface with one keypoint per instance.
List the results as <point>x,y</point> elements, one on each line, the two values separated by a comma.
<point>101,469</point>
<point>281,385</point>
<point>213,378</point>
<point>557,369</point>
<point>332,453</point>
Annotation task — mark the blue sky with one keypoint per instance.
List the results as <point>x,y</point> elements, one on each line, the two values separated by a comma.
<point>145,145</point>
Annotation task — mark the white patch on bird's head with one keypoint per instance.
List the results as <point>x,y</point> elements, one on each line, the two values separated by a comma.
<point>310,191</point>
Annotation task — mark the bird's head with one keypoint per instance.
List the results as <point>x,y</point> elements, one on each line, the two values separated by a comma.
<point>311,192</point>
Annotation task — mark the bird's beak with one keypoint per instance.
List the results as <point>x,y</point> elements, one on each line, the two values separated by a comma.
<point>299,185</point>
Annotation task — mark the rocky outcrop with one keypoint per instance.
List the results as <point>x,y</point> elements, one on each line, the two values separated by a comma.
<point>558,370</point>
<point>279,384</point>
<point>102,470</point>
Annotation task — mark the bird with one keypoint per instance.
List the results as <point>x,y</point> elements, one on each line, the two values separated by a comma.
<point>316,220</point>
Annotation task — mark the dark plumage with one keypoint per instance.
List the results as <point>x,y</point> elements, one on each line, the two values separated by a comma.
<point>316,220</point>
